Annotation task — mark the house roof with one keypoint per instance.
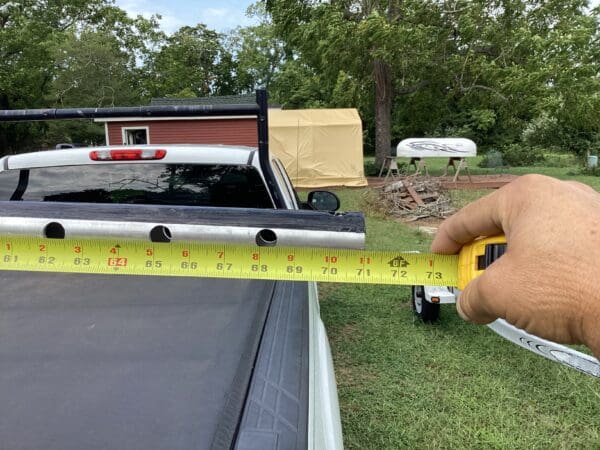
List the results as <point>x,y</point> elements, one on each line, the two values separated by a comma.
<point>244,99</point>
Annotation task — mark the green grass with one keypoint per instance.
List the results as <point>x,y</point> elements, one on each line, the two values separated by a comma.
<point>462,197</point>
<point>403,384</point>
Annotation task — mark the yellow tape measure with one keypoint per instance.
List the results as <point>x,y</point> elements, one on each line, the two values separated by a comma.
<point>193,259</point>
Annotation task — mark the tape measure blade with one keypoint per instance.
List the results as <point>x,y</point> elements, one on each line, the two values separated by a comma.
<point>225,261</point>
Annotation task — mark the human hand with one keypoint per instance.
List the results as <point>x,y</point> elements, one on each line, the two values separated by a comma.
<point>548,281</point>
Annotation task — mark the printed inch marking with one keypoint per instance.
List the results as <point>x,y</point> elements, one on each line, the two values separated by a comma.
<point>8,256</point>
<point>81,257</point>
<point>44,255</point>
<point>329,265</point>
<point>437,270</point>
<point>223,264</point>
<point>185,258</point>
<point>285,264</point>
<point>431,273</point>
<point>114,259</point>
<point>117,262</point>
<point>256,265</point>
<point>151,261</point>
<point>293,266</point>
<point>364,270</point>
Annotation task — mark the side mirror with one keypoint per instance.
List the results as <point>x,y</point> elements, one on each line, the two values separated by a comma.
<point>323,201</point>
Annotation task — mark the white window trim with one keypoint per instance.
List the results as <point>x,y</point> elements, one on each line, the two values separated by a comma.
<point>288,190</point>
<point>124,131</point>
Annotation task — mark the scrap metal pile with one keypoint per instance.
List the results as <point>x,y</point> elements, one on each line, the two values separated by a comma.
<point>416,199</point>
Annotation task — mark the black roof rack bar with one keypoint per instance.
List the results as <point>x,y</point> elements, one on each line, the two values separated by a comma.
<point>263,147</point>
<point>19,115</point>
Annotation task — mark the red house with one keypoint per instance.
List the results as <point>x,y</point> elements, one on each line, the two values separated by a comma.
<point>189,130</point>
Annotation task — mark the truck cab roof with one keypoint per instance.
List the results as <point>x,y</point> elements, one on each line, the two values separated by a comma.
<point>173,154</point>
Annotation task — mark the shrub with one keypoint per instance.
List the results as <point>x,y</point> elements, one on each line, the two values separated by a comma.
<point>371,169</point>
<point>548,132</point>
<point>560,160</point>
<point>593,171</point>
<point>492,159</point>
<point>522,155</point>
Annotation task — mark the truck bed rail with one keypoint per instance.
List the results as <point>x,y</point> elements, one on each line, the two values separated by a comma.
<point>157,223</point>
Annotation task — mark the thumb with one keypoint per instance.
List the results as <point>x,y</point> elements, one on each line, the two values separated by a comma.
<point>485,298</point>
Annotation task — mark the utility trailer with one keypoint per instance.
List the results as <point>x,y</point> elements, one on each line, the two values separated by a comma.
<point>145,362</point>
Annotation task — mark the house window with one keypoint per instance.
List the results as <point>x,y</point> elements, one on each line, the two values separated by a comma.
<point>135,136</point>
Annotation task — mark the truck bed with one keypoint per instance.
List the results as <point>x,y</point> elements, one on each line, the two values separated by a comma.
<point>96,361</point>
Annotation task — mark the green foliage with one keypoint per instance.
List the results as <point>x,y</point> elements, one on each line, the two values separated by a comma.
<point>78,132</point>
<point>192,59</point>
<point>593,171</point>
<point>259,56</point>
<point>371,168</point>
<point>518,72</point>
<point>561,160</point>
<point>551,133</point>
<point>475,69</point>
<point>542,131</point>
<point>493,159</point>
<point>298,86</point>
<point>94,71</point>
<point>522,155</point>
<point>45,64</point>
<point>345,92</point>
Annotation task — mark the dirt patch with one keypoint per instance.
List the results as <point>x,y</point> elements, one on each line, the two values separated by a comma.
<point>492,181</point>
<point>430,222</point>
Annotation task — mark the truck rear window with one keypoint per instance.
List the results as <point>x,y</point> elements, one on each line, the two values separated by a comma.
<point>150,184</point>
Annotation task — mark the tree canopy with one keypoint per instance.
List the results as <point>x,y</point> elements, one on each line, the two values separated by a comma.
<point>480,69</point>
<point>502,72</point>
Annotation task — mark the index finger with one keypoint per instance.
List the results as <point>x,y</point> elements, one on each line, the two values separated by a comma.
<point>480,218</point>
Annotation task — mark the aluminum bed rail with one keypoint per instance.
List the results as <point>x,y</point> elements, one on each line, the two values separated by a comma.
<point>263,227</point>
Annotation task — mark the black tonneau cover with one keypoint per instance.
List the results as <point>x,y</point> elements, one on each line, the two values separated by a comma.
<point>128,362</point>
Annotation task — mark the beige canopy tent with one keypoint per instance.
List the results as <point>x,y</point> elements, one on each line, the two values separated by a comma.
<point>319,147</point>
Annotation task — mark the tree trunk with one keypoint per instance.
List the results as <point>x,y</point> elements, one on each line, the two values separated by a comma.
<point>383,110</point>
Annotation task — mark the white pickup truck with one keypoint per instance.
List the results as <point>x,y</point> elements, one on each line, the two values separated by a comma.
<point>143,362</point>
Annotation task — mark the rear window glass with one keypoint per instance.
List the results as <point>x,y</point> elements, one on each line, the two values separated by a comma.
<point>153,184</point>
